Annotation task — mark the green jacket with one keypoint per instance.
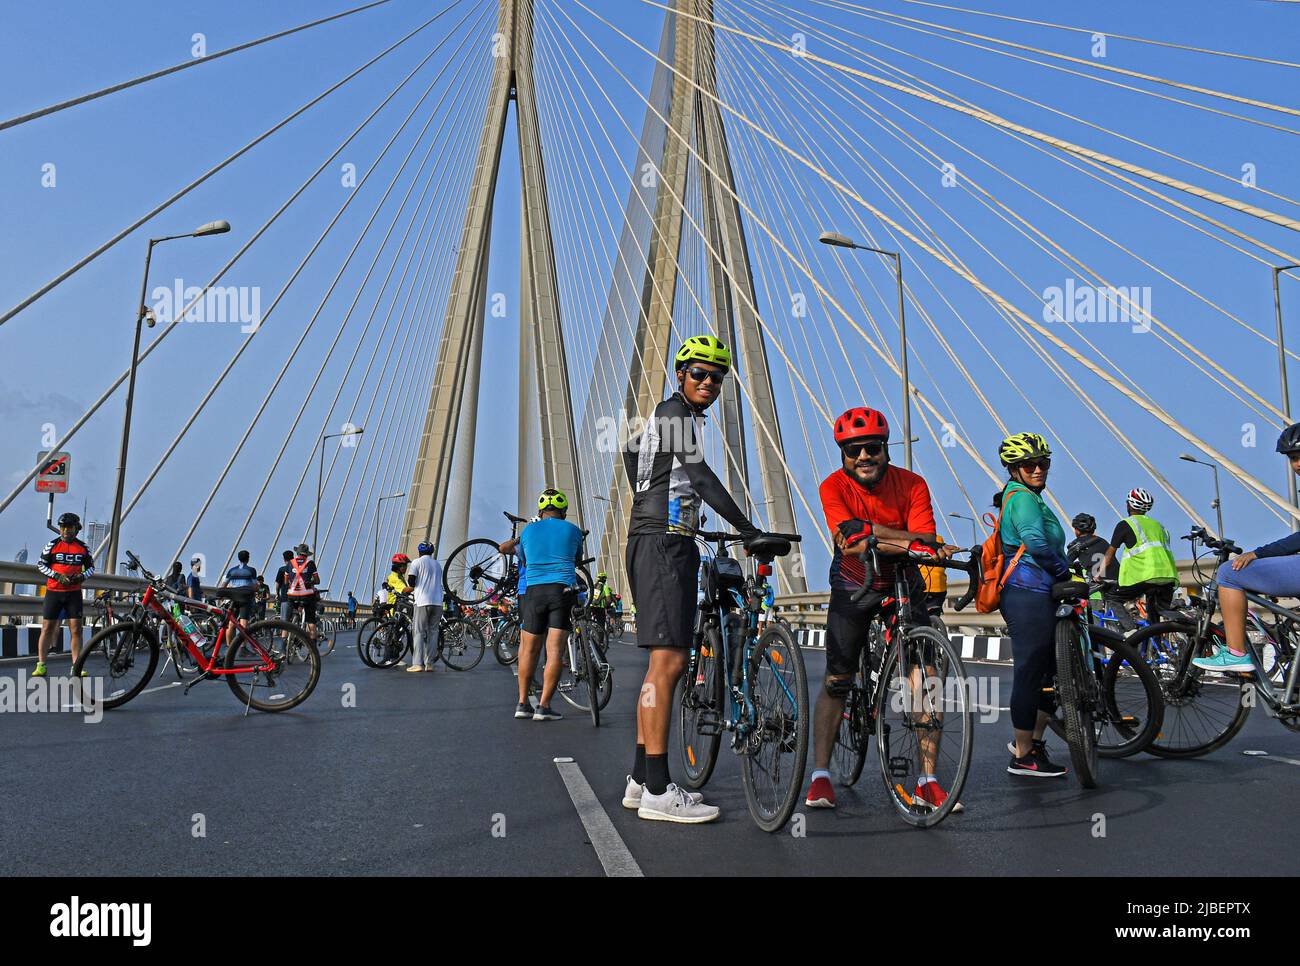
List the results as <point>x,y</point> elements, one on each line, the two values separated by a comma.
<point>1028,520</point>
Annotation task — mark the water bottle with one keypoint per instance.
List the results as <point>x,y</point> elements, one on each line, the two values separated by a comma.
<point>192,630</point>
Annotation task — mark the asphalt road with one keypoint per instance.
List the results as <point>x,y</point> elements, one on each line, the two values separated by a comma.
<point>429,774</point>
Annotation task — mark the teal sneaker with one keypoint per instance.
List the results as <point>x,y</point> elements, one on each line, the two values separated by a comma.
<point>1226,662</point>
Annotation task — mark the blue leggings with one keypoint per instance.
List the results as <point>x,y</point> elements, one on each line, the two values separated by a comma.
<point>1031,622</point>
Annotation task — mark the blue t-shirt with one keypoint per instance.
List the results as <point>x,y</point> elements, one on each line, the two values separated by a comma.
<point>241,575</point>
<point>549,549</point>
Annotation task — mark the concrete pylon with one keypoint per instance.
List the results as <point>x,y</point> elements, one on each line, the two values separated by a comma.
<point>427,497</point>
<point>731,292</point>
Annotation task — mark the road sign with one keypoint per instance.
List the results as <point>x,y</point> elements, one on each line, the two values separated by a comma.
<point>55,469</point>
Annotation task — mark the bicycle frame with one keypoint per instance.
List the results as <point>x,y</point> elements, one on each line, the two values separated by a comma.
<point>150,603</point>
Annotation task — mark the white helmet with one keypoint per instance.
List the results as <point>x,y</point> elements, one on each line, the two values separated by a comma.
<point>1140,500</point>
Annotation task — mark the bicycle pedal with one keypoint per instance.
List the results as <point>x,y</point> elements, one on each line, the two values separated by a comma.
<point>708,724</point>
<point>900,767</point>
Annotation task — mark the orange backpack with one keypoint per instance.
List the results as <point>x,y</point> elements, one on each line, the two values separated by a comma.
<point>992,560</point>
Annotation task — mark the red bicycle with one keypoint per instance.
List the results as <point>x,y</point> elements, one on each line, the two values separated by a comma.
<point>270,665</point>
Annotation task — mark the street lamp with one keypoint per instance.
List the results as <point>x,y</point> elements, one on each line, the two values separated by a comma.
<point>374,567</point>
<point>315,535</point>
<point>837,240</point>
<point>974,533</point>
<point>115,523</point>
<point>1218,505</point>
<point>1286,388</point>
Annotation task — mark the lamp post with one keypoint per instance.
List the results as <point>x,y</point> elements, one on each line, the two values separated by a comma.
<point>974,532</point>
<point>1218,504</point>
<point>315,534</point>
<point>115,522</point>
<point>374,567</point>
<point>1286,388</point>
<point>837,240</point>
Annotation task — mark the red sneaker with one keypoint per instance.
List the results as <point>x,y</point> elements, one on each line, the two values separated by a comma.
<point>932,794</point>
<point>820,794</point>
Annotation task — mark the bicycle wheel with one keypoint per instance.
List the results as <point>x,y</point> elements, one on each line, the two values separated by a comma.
<point>383,642</point>
<point>571,687</point>
<point>364,635</point>
<point>776,750</point>
<point>601,669</point>
<point>699,713</point>
<point>505,641</point>
<point>583,648</point>
<point>925,724</point>
<point>119,660</point>
<point>1076,685</point>
<point>462,644</point>
<point>275,671</point>
<point>326,632</point>
<point>1204,710</point>
<point>1131,699</point>
<point>474,570</point>
<point>853,737</point>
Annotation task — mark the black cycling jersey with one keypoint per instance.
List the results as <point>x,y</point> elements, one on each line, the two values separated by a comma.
<point>1087,552</point>
<point>670,480</point>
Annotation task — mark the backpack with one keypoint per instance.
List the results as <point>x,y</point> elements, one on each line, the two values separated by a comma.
<point>992,561</point>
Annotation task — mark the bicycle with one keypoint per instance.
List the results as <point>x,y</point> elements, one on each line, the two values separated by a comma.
<point>384,641</point>
<point>477,569</point>
<point>1206,709</point>
<point>271,655</point>
<point>755,688</point>
<point>909,696</point>
<point>1092,718</point>
<point>586,677</point>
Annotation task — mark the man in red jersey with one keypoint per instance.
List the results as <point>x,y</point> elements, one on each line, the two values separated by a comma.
<point>65,562</point>
<point>866,496</point>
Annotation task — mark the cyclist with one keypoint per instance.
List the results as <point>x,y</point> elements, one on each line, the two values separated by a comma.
<point>1272,570</point>
<point>1033,541</point>
<point>395,583</point>
<point>1148,568</point>
<point>300,589</point>
<point>1086,553</point>
<point>425,575</point>
<point>602,595</point>
<point>65,562</point>
<point>281,585</point>
<point>866,496</point>
<point>549,548</point>
<point>352,610</point>
<point>242,576</point>
<point>670,483</point>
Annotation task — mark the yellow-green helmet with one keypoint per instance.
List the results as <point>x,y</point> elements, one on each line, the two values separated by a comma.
<point>552,499</point>
<point>704,348</point>
<point>1022,446</point>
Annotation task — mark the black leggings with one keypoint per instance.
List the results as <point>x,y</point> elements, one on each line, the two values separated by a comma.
<point>1031,622</point>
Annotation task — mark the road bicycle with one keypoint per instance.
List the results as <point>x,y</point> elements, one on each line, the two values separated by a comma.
<point>270,665</point>
<point>385,640</point>
<point>754,688</point>
<point>910,696</point>
<point>501,628</point>
<point>586,676</point>
<point>1204,710</point>
<point>477,569</point>
<point>1109,705</point>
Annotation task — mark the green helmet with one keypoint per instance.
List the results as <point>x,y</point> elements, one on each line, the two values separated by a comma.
<point>552,499</point>
<point>1022,446</point>
<point>704,348</point>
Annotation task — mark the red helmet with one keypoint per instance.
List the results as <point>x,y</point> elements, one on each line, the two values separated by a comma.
<point>401,558</point>
<point>859,423</point>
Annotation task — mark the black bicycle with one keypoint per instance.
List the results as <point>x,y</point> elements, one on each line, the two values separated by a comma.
<point>386,639</point>
<point>754,688</point>
<point>477,570</point>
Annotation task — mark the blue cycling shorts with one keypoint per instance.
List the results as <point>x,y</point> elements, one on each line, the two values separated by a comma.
<point>1270,576</point>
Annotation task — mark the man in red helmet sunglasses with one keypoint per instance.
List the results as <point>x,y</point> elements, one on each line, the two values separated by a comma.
<point>866,496</point>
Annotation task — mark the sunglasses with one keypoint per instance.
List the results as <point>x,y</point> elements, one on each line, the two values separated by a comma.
<point>706,375</point>
<point>1039,464</point>
<point>854,450</point>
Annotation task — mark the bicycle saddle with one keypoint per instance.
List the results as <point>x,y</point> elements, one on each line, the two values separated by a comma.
<point>1069,590</point>
<point>768,546</point>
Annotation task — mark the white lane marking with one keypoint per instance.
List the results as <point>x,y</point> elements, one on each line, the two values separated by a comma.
<point>610,848</point>
<point>1289,761</point>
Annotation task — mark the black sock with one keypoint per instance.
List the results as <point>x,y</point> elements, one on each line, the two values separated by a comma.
<point>656,774</point>
<point>638,765</point>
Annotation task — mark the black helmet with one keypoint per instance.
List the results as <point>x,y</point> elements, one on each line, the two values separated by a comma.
<point>1289,441</point>
<point>1084,523</point>
<point>69,520</point>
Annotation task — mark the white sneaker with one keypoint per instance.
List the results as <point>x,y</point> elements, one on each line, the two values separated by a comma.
<point>675,805</point>
<point>416,667</point>
<point>632,794</point>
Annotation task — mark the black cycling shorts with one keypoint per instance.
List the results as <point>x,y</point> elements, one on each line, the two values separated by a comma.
<point>663,570</point>
<point>546,606</point>
<point>62,605</point>
<point>847,623</point>
<point>308,604</point>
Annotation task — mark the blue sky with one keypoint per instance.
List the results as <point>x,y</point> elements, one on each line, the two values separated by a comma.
<point>117,157</point>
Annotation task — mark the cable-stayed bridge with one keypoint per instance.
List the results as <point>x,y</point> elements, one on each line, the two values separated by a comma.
<point>475,232</point>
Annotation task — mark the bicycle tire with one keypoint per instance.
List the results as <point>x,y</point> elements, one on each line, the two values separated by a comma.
<point>1223,713</point>
<point>459,658</point>
<point>475,574</point>
<point>505,642</point>
<point>785,725</point>
<point>853,737</point>
<point>698,753</point>
<point>938,655</point>
<point>326,631</point>
<point>587,669</point>
<point>289,651</point>
<point>600,663</point>
<point>363,636</point>
<point>1070,695</point>
<point>1116,738</point>
<point>99,652</point>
